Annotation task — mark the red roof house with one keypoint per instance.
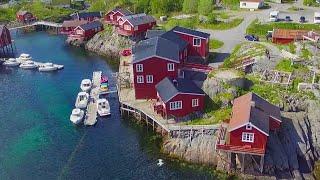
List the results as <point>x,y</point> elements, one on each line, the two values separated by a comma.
<point>136,24</point>
<point>248,129</point>
<point>113,16</point>
<point>25,17</point>
<point>286,36</point>
<point>69,25</point>
<point>178,98</point>
<point>86,31</point>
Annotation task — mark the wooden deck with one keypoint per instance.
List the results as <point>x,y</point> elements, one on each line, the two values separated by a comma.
<point>91,115</point>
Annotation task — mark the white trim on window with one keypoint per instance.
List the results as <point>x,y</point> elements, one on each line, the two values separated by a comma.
<point>247,137</point>
<point>175,105</point>
<point>149,78</point>
<point>139,67</point>
<point>196,42</point>
<point>170,66</point>
<point>127,27</point>
<point>248,126</point>
<point>195,102</point>
<point>140,79</point>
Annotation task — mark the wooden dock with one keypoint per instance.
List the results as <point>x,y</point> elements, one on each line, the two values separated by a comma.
<point>91,115</point>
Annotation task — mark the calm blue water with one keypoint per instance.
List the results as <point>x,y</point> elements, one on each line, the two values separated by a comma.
<point>37,140</point>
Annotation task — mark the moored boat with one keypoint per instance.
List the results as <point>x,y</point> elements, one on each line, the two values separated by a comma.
<point>76,116</point>
<point>103,107</point>
<point>11,62</point>
<point>82,100</point>
<point>86,85</point>
<point>24,57</point>
<point>28,65</point>
<point>47,67</point>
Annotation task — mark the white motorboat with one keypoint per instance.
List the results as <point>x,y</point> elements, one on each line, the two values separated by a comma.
<point>82,100</point>
<point>76,116</point>
<point>85,85</point>
<point>24,57</point>
<point>47,67</point>
<point>103,107</point>
<point>160,162</point>
<point>11,62</point>
<point>28,65</point>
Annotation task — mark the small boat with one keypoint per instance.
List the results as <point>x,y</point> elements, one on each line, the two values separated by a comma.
<point>11,62</point>
<point>24,57</point>
<point>47,67</point>
<point>103,107</point>
<point>85,85</point>
<point>82,100</point>
<point>28,65</point>
<point>160,162</point>
<point>76,116</point>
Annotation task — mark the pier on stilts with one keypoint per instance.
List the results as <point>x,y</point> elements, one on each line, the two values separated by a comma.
<point>91,115</point>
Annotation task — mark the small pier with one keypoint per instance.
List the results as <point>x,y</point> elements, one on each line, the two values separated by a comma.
<point>91,115</point>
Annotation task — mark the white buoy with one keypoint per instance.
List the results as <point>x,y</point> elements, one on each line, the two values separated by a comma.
<point>160,162</point>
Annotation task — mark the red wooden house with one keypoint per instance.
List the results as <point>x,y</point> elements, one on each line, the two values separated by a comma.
<point>248,129</point>
<point>286,36</point>
<point>113,16</point>
<point>25,17</point>
<point>86,31</point>
<point>136,24</point>
<point>178,98</point>
<point>69,25</point>
<point>198,41</point>
<point>87,16</point>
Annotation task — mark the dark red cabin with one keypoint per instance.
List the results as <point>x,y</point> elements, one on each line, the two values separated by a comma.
<point>113,16</point>
<point>134,25</point>
<point>286,36</point>
<point>25,17</point>
<point>86,31</point>
<point>70,25</point>
<point>178,98</point>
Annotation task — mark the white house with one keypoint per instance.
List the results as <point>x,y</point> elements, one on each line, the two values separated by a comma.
<point>251,4</point>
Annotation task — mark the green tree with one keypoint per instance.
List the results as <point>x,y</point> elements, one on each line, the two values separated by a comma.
<point>190,6</point>
<point>205,6</point>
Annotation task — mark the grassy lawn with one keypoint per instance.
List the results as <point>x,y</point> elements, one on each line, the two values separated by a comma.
<point>261,29</point>
<point>214,117</point>
<point>215,44</point>
<point>285,65</point>
<point>305,53</point>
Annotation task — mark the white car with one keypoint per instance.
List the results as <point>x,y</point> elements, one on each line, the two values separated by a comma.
<point>316,17</point>
<point>274,15</point>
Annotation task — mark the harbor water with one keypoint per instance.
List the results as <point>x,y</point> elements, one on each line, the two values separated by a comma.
<point>38,141</point>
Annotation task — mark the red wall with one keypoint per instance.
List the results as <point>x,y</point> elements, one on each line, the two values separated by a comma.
<point>115,17</point>
<point>202,50</point>
<point>274,124</point>
<point>260,139</point>
<point>186,105</point>
<point>107,16</point>
<point>282,41</point>
<point>90,33</point>
<point>5,37</point>
<point>141,28</point>
<point>153,66</point>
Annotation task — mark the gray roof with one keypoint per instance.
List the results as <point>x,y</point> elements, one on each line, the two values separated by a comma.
<point>156,46</point>
<point>125,12</point>
<point>138,19</point>
<point>172,36</point>
<point>154,33</point>
<point>91,25</point>
<point>191,32</point>
<point>167,89</point>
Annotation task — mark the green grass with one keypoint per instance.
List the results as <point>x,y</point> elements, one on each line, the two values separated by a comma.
<point>216,116</point>
<point>316,171</point>
<point>285,65</point>
<point>310,3</point>
<point>305,54</point>
<point>292,48</point>
<point>222,25</point>
<point>215,44</point>
<point>8,14</point>
<point>260,29</point>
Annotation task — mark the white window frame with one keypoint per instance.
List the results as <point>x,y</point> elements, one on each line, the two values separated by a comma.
<point>195,102</point>
<point>140,79</point>
<point>139,67</point>
<point>247,137</point>
<point>149,79</point>
<point>127,27</point>
<point>196,44</point>
<point>170,66</point>
<point>248,127</point>
<point>175,105</point>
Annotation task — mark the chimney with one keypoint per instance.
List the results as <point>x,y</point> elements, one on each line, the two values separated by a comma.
<point>175,83</point>
<point>253,104</point>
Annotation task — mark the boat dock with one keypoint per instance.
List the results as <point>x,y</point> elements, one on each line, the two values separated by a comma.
<point>91,115</point>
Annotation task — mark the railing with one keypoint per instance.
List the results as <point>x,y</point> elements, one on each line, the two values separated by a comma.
<point>244,149</point>
<point>198,67</point>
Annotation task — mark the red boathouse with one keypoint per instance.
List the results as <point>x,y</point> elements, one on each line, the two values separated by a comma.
<point>178,98</point>
<point>25,17</point>
<point>70,25</point>
<point>113,16</point>
<point>136,24</point>
<point>86,31</point>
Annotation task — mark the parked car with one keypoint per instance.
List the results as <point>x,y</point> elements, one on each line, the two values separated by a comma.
<point>288,18</point>
<point>302,19</point>
<point>251,37</point>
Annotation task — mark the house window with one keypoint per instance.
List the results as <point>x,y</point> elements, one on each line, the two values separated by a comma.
<point>127,27</point>
<point>140,79</point>
<point>248,127</point>
<point>139,67</point>
<point>247,137</point>
<point>196,41</point>
<point>149,78</point>
<point>175,105</point>
<point>111,17</point>
<point>170,66</point>
<point>244,4</point>
<point>195,102</point>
